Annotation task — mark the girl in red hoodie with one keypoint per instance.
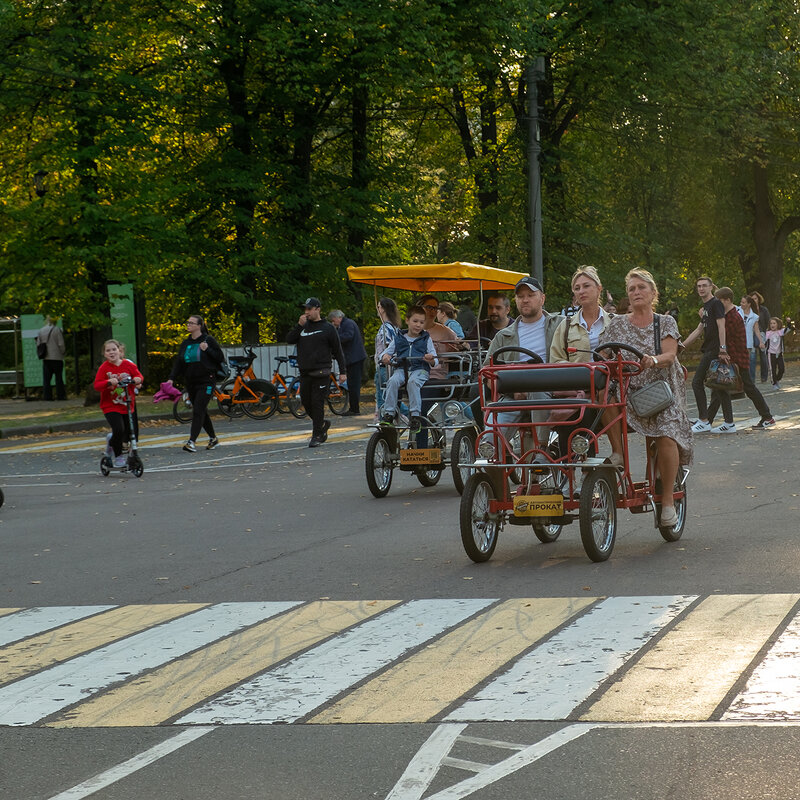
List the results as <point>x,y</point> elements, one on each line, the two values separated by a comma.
<point>112,396</point>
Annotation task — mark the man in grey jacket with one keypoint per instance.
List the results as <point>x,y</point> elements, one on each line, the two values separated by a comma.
<point>53,362</point>
<point>533,329</point>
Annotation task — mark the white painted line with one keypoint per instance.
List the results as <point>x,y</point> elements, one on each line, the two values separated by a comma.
<point>422,769</point>
<point>773,691</point>
<point>298,687</point>
<point>31,699</point>
<point>31,621</point>
<point>513,763</point>
<point>132,765</point>
<point>558,675</point>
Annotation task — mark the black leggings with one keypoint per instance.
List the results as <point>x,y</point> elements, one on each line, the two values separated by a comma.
<point>121,429</point>
<point>200,395</point>
<point>776,366</point>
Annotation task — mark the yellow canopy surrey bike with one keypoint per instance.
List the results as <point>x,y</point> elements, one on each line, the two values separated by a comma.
<point>451,428</point>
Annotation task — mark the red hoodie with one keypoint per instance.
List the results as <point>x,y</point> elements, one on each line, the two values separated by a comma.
<point>112,398</point>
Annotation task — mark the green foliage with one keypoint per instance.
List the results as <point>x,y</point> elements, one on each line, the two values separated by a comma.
<point>232,158</point>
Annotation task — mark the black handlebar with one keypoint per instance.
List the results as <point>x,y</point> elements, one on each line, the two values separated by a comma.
<point>537,359</point>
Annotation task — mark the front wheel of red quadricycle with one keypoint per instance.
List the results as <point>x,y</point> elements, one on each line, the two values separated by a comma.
<point>480,526</point>
<point>598,514</point>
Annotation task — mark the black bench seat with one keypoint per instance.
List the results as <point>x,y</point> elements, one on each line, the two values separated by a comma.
<point>550,379</point>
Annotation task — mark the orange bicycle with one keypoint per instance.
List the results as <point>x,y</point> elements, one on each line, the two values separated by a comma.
<point>288,388</point>
<point>338,396</point>
<point>242,394</point>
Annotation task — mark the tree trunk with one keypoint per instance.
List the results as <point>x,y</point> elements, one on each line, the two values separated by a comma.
<point>770,241</point>
<point>233,71</point>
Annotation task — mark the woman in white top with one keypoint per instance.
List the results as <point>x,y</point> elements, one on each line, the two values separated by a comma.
<point>390,326</point>
<point>752,331</point>
<point>578,335</point>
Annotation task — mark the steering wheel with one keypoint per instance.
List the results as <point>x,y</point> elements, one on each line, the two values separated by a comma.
<point>534,358</point>
<point>616,347</point>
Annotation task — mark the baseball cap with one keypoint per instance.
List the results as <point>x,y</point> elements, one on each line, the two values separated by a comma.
<point>311,302</point>
<point>531,282</point>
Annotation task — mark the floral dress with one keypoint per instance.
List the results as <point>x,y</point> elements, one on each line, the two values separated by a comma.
<point>673,420</point>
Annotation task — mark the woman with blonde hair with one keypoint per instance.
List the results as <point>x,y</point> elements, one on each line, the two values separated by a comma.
<point>669,432</point>
<point>578,335</point>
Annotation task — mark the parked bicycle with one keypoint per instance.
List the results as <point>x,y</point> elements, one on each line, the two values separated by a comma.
<point>338,396</point>
<point>242,394</point>
<point>288,388</point>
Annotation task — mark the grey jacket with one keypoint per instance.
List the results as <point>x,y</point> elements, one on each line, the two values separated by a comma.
<point>509,337</point>
<point>54,338</point>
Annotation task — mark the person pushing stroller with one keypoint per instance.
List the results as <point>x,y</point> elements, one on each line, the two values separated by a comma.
<point>417,347</point>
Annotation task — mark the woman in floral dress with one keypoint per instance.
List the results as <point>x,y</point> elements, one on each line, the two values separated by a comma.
<point>670,429</point>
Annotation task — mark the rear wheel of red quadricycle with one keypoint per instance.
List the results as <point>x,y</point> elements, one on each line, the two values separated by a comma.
<point>671,533</point>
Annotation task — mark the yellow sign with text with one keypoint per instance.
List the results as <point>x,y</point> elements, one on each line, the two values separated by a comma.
<point>538,505</point>
<point>429,455</point>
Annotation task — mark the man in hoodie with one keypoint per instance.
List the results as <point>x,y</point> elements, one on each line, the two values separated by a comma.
<point>317,345</point>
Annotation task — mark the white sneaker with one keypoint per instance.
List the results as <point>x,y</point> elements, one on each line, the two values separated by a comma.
<point>726,427</point>
<point>121,461</point>
<point>669,517</point>
<point>701,427</point>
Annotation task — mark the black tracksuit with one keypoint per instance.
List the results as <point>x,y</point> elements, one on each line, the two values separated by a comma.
<point>199,368</point>
<point>317,344</point>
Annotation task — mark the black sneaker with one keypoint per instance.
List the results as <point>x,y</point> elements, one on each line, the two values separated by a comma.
<point>325,427</point>
<point>212,443</point>
<point>415,425</point>
<point>387,420</point>
<point>315,442</point>
<point>764,423</point>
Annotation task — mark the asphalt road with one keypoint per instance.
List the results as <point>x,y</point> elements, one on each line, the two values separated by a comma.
<point>266,570</point>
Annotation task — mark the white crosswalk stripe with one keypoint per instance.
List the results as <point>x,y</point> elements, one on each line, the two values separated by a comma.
<point>557,676</point>
<point>601,660</point>
<point>294,690</point>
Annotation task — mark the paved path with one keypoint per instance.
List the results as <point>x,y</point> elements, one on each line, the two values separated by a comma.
<point>652,659</point>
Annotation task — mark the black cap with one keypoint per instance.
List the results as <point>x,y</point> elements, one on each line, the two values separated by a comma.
<point>311,302</point>
<point>531,282</point>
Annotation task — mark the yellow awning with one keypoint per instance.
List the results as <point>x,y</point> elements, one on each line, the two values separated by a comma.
<point>457,277</point>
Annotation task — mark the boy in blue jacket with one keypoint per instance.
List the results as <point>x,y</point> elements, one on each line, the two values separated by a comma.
<point>417,346</point>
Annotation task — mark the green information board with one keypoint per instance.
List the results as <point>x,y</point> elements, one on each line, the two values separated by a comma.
<point>30,325</point>
<point>123,317</point>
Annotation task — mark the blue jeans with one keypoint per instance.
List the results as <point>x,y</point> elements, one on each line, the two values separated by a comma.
<point>416,380</point>
<point>753,359</point>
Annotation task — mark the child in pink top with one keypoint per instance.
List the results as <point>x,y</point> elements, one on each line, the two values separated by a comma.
<point>774,337</point>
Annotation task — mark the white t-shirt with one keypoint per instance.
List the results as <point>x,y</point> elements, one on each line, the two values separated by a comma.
<point>595,331</point>
<point>749,325</point>
<point>532,337</point>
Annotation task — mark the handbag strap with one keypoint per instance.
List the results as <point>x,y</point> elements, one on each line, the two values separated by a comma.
<point>657,334</point>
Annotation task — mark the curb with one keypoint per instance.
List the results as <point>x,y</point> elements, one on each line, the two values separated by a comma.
<point>55,427</point>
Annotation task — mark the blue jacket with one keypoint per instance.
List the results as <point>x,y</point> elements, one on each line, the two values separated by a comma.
<point>352,342</point>
<point>414,351</point>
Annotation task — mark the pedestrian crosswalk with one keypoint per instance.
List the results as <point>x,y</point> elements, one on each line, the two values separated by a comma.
<point>582,659</point>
